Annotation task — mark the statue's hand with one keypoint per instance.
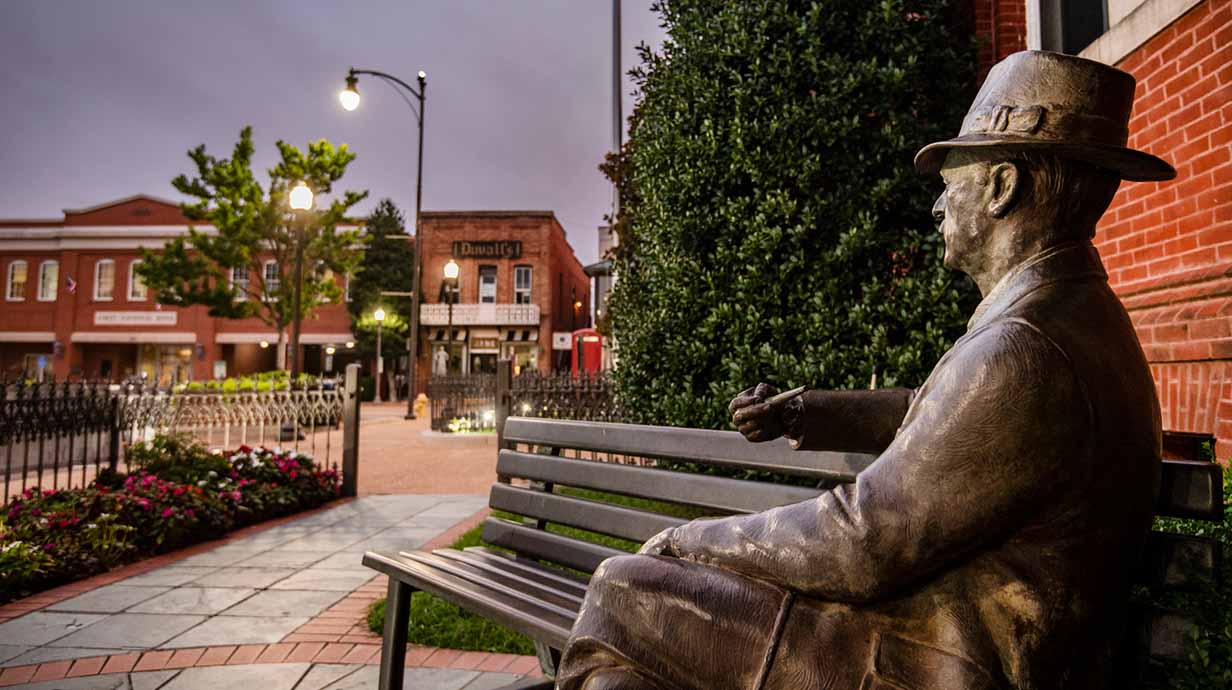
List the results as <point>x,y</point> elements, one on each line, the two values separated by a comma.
<point>659,545</point>
<point>753,417</point>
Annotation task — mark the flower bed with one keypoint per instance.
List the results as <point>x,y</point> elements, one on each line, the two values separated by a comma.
<point>177,494</point>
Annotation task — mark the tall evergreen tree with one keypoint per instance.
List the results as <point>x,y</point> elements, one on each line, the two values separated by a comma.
<point>773,226</point>
<point>225,270</point>
<point>387,265</point>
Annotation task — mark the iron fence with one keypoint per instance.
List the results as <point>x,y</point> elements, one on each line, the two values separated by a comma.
<point>463,402</point>
<point>586,397</point>
<point>59,435</point>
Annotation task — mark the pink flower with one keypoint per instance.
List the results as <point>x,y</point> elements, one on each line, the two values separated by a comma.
<point>144,503</point>
<point>168,512</point>
<point>189,512</point>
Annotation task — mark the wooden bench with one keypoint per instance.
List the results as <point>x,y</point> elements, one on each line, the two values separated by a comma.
<point>521,589</point>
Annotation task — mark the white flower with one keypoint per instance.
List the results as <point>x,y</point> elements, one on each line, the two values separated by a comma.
<point>201,483</point>
<point>212,474</point>
<point>91,525</point>
<point>10,547</point>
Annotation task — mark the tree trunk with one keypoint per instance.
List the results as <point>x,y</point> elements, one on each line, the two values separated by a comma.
<point>281,355</point>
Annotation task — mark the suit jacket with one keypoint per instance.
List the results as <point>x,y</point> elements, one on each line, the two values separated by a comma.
<point>990,545</point>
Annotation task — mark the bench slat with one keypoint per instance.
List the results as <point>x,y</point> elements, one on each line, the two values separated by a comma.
<point>604,518</point>
<point>707,446</point>
<point>1190,489</point>
<point>537,621</point>
<point>495,561</point>
<point>537,543</point>
<point>704,491</point>
<point>516,587</point>
<point>1178,561</point>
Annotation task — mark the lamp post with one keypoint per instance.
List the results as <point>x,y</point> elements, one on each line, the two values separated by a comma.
<point>451,281</point>
<point>301,200</point>
<point>379,316</point>
<point>349,98</point>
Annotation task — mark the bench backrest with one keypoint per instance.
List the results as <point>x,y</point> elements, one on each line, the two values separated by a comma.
<point>536,449</point>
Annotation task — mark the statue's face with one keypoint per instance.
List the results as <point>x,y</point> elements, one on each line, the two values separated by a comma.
<point>962,210</point>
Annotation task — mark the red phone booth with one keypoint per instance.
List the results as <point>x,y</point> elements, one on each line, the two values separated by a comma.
<point>587,351</point>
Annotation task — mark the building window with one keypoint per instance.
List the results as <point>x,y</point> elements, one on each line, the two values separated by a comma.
<point>136,285</point>
<point>104,279</point>
<point>272,278</point>
<point>49,280</point>
<point>521,284</point>
<point>487,284</point>
<point>239,280</point>
<point>16,281</point>
<point>1069,26</point>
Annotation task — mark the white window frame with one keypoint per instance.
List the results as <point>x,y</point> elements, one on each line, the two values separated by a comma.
<point>55,284</point>
<point>495,273</point>
<point>243,284</point>
<point>1124,35</point>
<point>265,279</point>
<point>132,277</point>
<point>528,290</point>
<point>98,274</point>
<point>8,282</point>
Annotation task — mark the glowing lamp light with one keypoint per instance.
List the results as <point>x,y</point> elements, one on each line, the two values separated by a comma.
<point>330,350</point>
<point>379,314</point>
<point>577,304</point>
<point>349,97</point>
<point>301,197</point>
<point>350,344</point>
<point>264,344</point>
<point>422,75</point>
<point>451,270</point>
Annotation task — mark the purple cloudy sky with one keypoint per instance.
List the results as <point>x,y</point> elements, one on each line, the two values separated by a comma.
<point>103,98</point>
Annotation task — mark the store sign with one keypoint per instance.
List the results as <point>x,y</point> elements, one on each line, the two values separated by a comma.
<point>507,249</point>
<point>484,343</point>
<point>562,341</point>
<point>135,318</point>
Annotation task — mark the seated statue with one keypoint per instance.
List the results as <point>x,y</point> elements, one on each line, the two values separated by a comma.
<point>991,542</point>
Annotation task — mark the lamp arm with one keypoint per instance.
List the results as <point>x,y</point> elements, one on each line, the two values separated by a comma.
<point>396,82</point>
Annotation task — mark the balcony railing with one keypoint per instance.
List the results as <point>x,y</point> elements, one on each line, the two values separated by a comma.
<point>480,314</point>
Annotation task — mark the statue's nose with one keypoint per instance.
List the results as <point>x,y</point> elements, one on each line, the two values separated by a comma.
<point>939,210</point>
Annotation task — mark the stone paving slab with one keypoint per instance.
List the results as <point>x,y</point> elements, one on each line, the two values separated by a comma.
<point>109,599</point>
<point>284,603</point>
<point>221,630</point>
<point>294,676</point>
<point>169,576</point>
<point>207,600</point>
<point>130,631</point>
<point>263,676</point>
<point>39,628</point>
<point>9,651</point>
<point>254,578</point>
<point>39,655</point>
<point>321,579</point>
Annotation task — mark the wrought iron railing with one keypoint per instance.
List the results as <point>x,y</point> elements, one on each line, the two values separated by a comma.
<point>62,434</point>
<point>564,396</point>
<point>463,402</point>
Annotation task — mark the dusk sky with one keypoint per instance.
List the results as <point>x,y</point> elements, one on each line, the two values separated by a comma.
<point>103,99</point>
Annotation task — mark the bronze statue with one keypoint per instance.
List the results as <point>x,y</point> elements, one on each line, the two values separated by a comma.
<point>990,544</point>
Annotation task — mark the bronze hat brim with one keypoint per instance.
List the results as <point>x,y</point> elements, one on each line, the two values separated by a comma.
<point>1130,164</point>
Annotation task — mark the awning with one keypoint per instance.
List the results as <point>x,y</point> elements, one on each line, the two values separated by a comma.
<point>438,335</point>
<point>520,335</point>
<point>27,336</point>
<point>159,337</point>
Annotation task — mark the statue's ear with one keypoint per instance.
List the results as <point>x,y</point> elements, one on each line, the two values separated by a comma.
<point>1004,188</point>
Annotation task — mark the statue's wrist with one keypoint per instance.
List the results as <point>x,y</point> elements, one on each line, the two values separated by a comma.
<point>792,418</point>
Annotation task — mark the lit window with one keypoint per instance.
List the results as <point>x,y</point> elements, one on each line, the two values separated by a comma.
<point>272,278</point>
<point>136,285</point>
<point>49,280</point>
<point>17,281</point>
<point>521,284</point>
<point>487,284</point>
<point>239,280</point>
<point>104,279</point>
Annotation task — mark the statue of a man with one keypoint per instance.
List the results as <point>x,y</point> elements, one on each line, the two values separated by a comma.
<point>990,544</point>
<point>440,361</point>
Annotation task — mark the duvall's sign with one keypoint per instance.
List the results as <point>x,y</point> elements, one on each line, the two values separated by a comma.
<point>505,249</point>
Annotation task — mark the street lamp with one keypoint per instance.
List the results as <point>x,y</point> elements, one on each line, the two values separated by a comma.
<point>451,281</point>
<point>379,315</point>
<point>349,97</point>
<point>300,199</point>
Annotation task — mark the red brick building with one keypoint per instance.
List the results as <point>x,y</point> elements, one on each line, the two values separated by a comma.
<point>1167,245</point>
<point>519,283</point>
<point>72,305</point>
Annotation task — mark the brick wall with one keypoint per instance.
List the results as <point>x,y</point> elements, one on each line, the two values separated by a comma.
<point>1168,246</point>
<point>1009,17</point>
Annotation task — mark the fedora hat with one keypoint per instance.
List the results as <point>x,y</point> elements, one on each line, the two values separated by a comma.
<point>1042,101</point>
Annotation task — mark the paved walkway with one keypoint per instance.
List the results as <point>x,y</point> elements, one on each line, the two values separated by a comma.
<point>398,455</point>
<point>279,604</point>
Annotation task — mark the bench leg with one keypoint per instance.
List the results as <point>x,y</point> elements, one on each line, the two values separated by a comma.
<point>393,644</point>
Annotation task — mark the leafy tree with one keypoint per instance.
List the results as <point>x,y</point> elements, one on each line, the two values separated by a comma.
<point>386,267</point>
<point>773,226</point>
<point>253,224</point>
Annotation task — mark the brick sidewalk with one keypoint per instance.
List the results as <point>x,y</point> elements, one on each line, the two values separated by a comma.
<point>224,597</point>
<point>397,455</point>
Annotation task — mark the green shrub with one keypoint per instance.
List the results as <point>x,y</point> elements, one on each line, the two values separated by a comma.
<point>773,225</point>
